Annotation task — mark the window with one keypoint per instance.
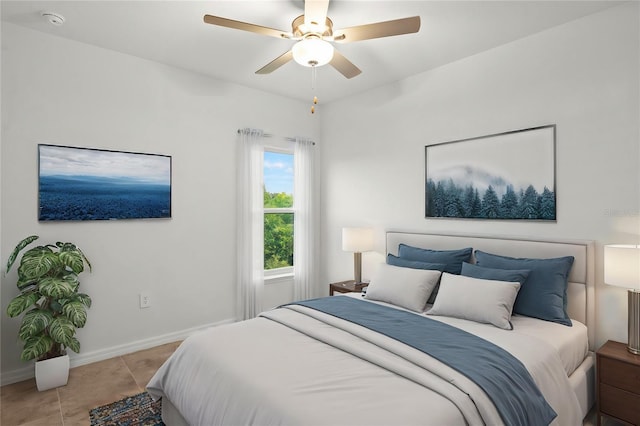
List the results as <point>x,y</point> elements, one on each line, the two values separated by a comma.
<point>278,211</point>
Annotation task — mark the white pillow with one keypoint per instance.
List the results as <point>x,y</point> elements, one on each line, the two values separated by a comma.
<point>475,299</point>
<point>405,287</point>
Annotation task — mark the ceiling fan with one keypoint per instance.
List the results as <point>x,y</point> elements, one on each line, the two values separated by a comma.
<point>314,32</point>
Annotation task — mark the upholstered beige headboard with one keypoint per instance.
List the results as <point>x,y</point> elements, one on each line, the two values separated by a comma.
<point>581,290</point>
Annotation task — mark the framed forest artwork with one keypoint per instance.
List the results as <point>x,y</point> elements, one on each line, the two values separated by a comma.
<point>505,176</point>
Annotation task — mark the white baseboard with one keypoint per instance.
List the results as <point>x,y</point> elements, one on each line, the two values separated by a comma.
<point>76,360</point>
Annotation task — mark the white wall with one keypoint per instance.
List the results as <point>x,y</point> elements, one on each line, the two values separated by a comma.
<point>62,92</point>
<point>582,76</point>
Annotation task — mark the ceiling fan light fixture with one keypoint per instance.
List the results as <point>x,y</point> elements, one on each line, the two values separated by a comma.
<point>312,52</point>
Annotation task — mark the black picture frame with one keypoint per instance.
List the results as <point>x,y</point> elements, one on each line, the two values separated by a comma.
<point>502,176</point>
<point>77,184</point>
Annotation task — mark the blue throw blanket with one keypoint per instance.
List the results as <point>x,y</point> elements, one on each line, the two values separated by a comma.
<point>498,373</point>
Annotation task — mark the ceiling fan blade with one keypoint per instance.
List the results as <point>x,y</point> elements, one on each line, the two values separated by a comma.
<point>315,11</point>
<point>276,63</point>
<point>245,26</point>
<point>343,65</point>
<point>378,29</point>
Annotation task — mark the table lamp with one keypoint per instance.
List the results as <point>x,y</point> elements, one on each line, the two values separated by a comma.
<point>622,269</point>
<point>357,240</point>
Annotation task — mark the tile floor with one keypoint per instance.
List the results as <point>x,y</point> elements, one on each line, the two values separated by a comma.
<point>89,386</point>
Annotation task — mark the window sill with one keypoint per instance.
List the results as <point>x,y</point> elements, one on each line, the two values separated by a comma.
<point>279,278</point>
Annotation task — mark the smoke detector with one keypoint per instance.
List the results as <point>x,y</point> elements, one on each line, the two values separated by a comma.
<point>53,18</point>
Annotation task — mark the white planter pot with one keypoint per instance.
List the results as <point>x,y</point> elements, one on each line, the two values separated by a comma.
<point>52,373</point>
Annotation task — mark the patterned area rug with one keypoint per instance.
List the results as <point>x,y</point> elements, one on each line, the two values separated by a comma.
<point>137,410</point>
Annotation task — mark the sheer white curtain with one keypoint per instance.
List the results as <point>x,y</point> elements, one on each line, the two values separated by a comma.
<point>305,220</point>
<point>250,211</point>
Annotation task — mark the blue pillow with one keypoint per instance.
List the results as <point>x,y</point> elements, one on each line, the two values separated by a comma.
<point>416,264</point>
<point>451,258</point>
<point>509,275</point>
<point>544,294</point>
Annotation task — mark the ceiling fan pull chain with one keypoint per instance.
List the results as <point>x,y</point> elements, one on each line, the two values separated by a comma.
<point>313,78</point>
<point>313,88</point>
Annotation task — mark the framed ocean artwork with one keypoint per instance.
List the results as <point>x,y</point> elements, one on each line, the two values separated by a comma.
<point>95,184</point>
<point>504,176</point>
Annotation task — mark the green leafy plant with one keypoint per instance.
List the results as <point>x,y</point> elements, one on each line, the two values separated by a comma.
<point>49,298</point>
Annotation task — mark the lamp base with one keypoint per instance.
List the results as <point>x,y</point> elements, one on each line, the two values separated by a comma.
<point>634,322</point>
<point>357,267</point>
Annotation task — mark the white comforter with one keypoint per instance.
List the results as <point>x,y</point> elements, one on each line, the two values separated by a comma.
<point>299,366</point>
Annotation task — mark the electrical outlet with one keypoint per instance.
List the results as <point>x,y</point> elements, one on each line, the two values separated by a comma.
<point>145,300</point>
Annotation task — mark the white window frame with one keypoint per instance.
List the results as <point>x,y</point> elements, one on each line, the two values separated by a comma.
<point>273,276</point>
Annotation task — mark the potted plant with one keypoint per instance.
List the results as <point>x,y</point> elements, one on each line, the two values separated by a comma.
<point>52,305</point>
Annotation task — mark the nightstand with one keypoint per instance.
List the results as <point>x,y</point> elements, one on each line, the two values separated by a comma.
<point>349,286</point>
<point>618,383</point>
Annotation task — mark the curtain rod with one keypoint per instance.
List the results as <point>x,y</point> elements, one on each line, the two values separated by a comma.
<point>269,135</point>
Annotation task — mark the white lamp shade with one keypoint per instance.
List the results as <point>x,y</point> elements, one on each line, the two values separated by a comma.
<point>312,52</point>
<point>622,265</point>
<point>357,240</point>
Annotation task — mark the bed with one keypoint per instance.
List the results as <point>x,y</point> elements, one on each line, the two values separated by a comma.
<point>336,360</point>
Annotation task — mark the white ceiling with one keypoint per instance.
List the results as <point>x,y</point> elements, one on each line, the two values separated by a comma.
<point>173,32</point>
